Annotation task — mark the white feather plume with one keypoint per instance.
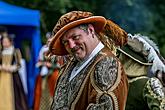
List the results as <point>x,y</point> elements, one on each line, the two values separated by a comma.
<point>153,50</point>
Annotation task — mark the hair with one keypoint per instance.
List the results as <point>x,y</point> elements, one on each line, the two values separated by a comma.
<point>3,29</point>
<point>103,38</point>
<point>8,37</point>
<point>84,27</point>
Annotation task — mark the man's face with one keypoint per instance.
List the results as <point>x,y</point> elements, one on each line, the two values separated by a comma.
<point>78,42</point>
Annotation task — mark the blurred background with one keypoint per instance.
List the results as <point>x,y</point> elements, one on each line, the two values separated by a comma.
<point>37,17</point>
<point>135,16</point>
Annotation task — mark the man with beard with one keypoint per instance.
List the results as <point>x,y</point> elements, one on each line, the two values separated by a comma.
<point>93,78</point>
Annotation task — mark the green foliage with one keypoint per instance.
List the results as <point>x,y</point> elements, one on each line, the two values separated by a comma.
<point>51,10</point>
<point>138,16</point>
<point>135,16</point>
<point>158,8</point>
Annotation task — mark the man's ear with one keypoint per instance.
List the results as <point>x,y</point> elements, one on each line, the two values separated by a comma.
<point>91,29</point>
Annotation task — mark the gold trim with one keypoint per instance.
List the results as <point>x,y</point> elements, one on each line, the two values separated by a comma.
<point>133,57</point>
<point>137,78</point>
<point>100,92</point>
<point>162,100</point>
<point>82,86</point>
<point>115,100</point>
<point>118,78</point>
<point>113,97</point>
<point>89,106</point>
<point>113,86</point>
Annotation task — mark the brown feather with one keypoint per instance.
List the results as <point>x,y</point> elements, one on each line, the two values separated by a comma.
<point>118,35</point>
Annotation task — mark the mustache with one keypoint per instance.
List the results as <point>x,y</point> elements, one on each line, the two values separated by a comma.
<point>74,49</point>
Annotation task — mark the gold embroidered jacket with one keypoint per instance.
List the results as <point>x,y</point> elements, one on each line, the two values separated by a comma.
<point>101,85</point>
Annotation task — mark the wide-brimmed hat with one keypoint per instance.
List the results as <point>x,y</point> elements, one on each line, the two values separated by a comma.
<point>75,18</point>
<point>136,50</point>
<point>138,57</point>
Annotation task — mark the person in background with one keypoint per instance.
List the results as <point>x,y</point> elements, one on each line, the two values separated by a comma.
<point>49,69</point>
<point>3,32</point>
<point>11,89</point>
<point>93,79</point>
<point>141,64</point>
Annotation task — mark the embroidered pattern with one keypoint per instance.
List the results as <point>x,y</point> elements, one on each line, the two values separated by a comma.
<point>106,73</point>
<point>157,87</point>
<point>61,94</point>
<point>66,90</point>
<point>154,89</point>
<point>105,103</point>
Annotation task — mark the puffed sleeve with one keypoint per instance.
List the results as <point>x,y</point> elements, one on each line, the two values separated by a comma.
<point>18,56</point>
<point>154,95</point>
<point>107,77</point>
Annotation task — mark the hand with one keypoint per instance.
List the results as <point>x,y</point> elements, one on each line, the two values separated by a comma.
<point>48,64</point>
<point>38,64</point>
<point>5,68</point>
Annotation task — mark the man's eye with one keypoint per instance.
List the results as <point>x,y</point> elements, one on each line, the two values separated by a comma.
<point>64,42</point>
<point>76,37</point>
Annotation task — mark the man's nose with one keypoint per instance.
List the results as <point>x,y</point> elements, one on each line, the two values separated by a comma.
<point>71,44</point>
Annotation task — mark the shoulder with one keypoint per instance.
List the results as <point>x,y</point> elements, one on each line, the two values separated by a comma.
<point>17,50</point>
<point>18,54</point>
<point>106,72</point>
<point>107,63</point>
<point>44,48</point>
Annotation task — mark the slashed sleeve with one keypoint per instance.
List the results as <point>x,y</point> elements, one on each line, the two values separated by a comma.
<point>154,95</point>
<point>106,79</point>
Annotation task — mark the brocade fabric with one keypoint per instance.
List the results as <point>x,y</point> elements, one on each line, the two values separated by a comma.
<point>101,85</point>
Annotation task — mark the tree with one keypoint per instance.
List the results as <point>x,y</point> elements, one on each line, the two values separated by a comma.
<point>53,9</point>
<point>138,16</point>
<point>135,16</point>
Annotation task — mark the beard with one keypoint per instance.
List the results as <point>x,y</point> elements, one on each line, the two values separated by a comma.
<point>77,58</point>
<point>76,55</point>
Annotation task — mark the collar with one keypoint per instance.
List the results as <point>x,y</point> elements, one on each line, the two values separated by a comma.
<point>8,51</point>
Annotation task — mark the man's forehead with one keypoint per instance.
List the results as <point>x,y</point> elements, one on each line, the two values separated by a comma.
<point>71,32</point>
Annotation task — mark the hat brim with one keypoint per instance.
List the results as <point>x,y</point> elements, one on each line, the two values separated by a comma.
<point>55,45</point>
<point>134,55</point>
